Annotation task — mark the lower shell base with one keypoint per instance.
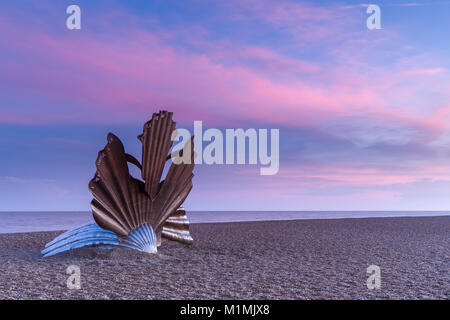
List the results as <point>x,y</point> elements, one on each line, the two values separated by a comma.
<point>143,239</point>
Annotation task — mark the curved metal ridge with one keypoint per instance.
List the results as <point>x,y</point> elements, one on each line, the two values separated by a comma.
<point>184,233</point>
<point>177,236</point>
<point>90,226</point>
<point>143,238</point>
<point>176,227</point>
<point>85,235</point>
<point>177,221</point>
<point>81,243</point>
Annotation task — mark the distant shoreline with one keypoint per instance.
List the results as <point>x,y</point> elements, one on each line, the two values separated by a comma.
<point>258,221</point>
<point>20,222</point>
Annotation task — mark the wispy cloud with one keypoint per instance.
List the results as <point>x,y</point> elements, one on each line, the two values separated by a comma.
<point>341,95</point>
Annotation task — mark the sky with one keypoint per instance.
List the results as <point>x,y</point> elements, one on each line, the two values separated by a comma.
<point>363,114</point>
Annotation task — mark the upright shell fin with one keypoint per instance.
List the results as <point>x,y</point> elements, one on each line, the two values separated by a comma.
<point>119,200</point>
<point>156,143</point>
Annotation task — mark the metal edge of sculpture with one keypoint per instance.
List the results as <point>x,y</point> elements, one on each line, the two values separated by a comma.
<point>133,213</point>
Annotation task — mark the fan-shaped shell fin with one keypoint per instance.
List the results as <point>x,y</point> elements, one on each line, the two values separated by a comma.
<point>176,228</point>
<point>156,143</point>
<point>174,190</point>
<point>143,238</point>
<point>86,235</point>
<point>119,202</point>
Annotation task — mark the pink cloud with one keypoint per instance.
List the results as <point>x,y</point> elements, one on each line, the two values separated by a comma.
<point>425,72</point>
<point>368,176</point>
<point>130,73</point>
<point>305,22</point>
<point>328,75</point>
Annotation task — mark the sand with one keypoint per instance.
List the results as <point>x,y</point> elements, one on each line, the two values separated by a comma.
<point>304,259</point>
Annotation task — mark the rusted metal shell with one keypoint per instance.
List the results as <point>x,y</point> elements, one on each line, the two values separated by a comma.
<point>129,207</point>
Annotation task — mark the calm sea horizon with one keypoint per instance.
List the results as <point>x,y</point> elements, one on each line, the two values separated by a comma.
<point>13,222</point>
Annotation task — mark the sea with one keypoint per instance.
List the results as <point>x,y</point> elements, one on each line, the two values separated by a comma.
<point>13,222</point>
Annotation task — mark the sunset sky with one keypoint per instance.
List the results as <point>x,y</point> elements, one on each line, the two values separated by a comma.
<point>363,114</point>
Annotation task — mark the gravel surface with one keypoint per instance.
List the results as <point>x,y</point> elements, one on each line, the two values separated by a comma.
<point>303,259</point>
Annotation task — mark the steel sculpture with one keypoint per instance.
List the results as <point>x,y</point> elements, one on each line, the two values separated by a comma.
<point>133,213</point>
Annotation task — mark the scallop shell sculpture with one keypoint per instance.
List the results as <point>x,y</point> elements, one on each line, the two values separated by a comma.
<point>134,213</point>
